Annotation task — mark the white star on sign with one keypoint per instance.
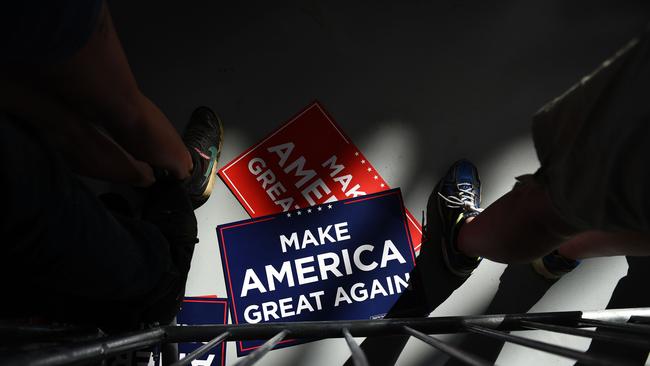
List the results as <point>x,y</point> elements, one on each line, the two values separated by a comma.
<point>375,177</point>
<point>382,185</point>
<point>369,169</point>
<point>288,215</point>
<point>299,213</point>
<point>309,210</point>
<point>320,208</point>
<point>356,153</point>
<point>363,161</point>
<point>329,206</point>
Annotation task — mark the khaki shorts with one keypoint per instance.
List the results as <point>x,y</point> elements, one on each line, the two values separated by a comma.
<point>593,143</point>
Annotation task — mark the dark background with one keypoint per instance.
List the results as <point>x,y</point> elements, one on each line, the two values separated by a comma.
<point>467,75</point>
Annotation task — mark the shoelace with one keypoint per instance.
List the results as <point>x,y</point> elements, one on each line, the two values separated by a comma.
<point>464,199</point>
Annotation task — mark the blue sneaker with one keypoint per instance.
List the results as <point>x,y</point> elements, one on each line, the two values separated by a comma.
<point>456,197</point>
<point>553,266</point>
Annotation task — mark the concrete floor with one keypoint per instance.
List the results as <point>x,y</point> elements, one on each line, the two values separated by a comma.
<point>415,84</point>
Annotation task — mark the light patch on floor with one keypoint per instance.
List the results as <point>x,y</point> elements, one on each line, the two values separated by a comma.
<point>499,169</point>
<point>588,287</point>
<point>389,148</point>
<point>472,297</point>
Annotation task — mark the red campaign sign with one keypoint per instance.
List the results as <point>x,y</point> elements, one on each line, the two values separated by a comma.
<point>307,161</point>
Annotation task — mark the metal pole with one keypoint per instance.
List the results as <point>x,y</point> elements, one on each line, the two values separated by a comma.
<point>263,349</point>
<point>102,348</point>
<point>450,350</point>
<point>362,328</point>
<point>608,337</point>
<point>86,352</point>
<point>358,356</point>
<point>626,327</point>
<point>16,333</point>
<point>201,350</point>
<point>550,348</point>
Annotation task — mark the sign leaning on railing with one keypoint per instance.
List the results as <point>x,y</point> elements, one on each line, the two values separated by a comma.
<point>343,260</point>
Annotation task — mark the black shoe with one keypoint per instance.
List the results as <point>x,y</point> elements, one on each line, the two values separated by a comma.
<point>203,137</point>
<point>456,197</point>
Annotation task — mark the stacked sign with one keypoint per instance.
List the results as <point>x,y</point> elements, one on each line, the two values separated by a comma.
<point>307,161</point>
<point>328,240</point>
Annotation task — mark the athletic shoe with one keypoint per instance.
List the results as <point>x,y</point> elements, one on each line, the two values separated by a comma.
<point>203,137</point>
<point>553,266</point>
<point>456,197</point>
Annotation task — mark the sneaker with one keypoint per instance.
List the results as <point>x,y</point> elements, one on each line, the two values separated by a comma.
<point>456,197</point>
<point>553,266</point>
<point>203,137</point>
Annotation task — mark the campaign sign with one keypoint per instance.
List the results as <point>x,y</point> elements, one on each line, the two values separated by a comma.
<point>200,311</point>
<point>342,260</point>
<point>308,161</point>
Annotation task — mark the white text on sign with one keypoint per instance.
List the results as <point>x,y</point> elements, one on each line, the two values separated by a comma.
<point>312,188</point>
<point>320,267</point>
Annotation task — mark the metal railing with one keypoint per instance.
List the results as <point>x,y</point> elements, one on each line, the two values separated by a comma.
<point>630,327</point>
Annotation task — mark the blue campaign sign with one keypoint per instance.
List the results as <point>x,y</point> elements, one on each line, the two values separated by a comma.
<point>203,310</point>
<point>342,260</point>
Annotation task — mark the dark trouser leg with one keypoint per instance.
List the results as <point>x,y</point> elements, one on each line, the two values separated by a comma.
<point>64,256</point>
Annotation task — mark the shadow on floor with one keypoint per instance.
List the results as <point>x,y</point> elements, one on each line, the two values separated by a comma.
<point>430,285</point>
<point>520,288</point>
<point>630,292</point>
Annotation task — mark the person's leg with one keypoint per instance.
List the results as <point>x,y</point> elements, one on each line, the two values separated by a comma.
<point>66,258</point>
<point>591,244</point>
<point>591,143</point>
<point>97,83</point>
<point>169,208</point>
<point>86,150</point>
<point>519,227</point>
<point>523,225</point>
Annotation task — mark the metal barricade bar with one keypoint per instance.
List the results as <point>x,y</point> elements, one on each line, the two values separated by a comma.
<point>495,326</point>
<point>358,356</point>
<point>202,350</point>
<point>263,349</point>
<point>450,350</point>
<point>541,346</point>
<point>603,336</point>
<point>89,351</point>
<point>626,327</point>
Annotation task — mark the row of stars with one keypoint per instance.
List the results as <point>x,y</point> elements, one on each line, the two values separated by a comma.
<point>309,210</point>
<point>376,177</point>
